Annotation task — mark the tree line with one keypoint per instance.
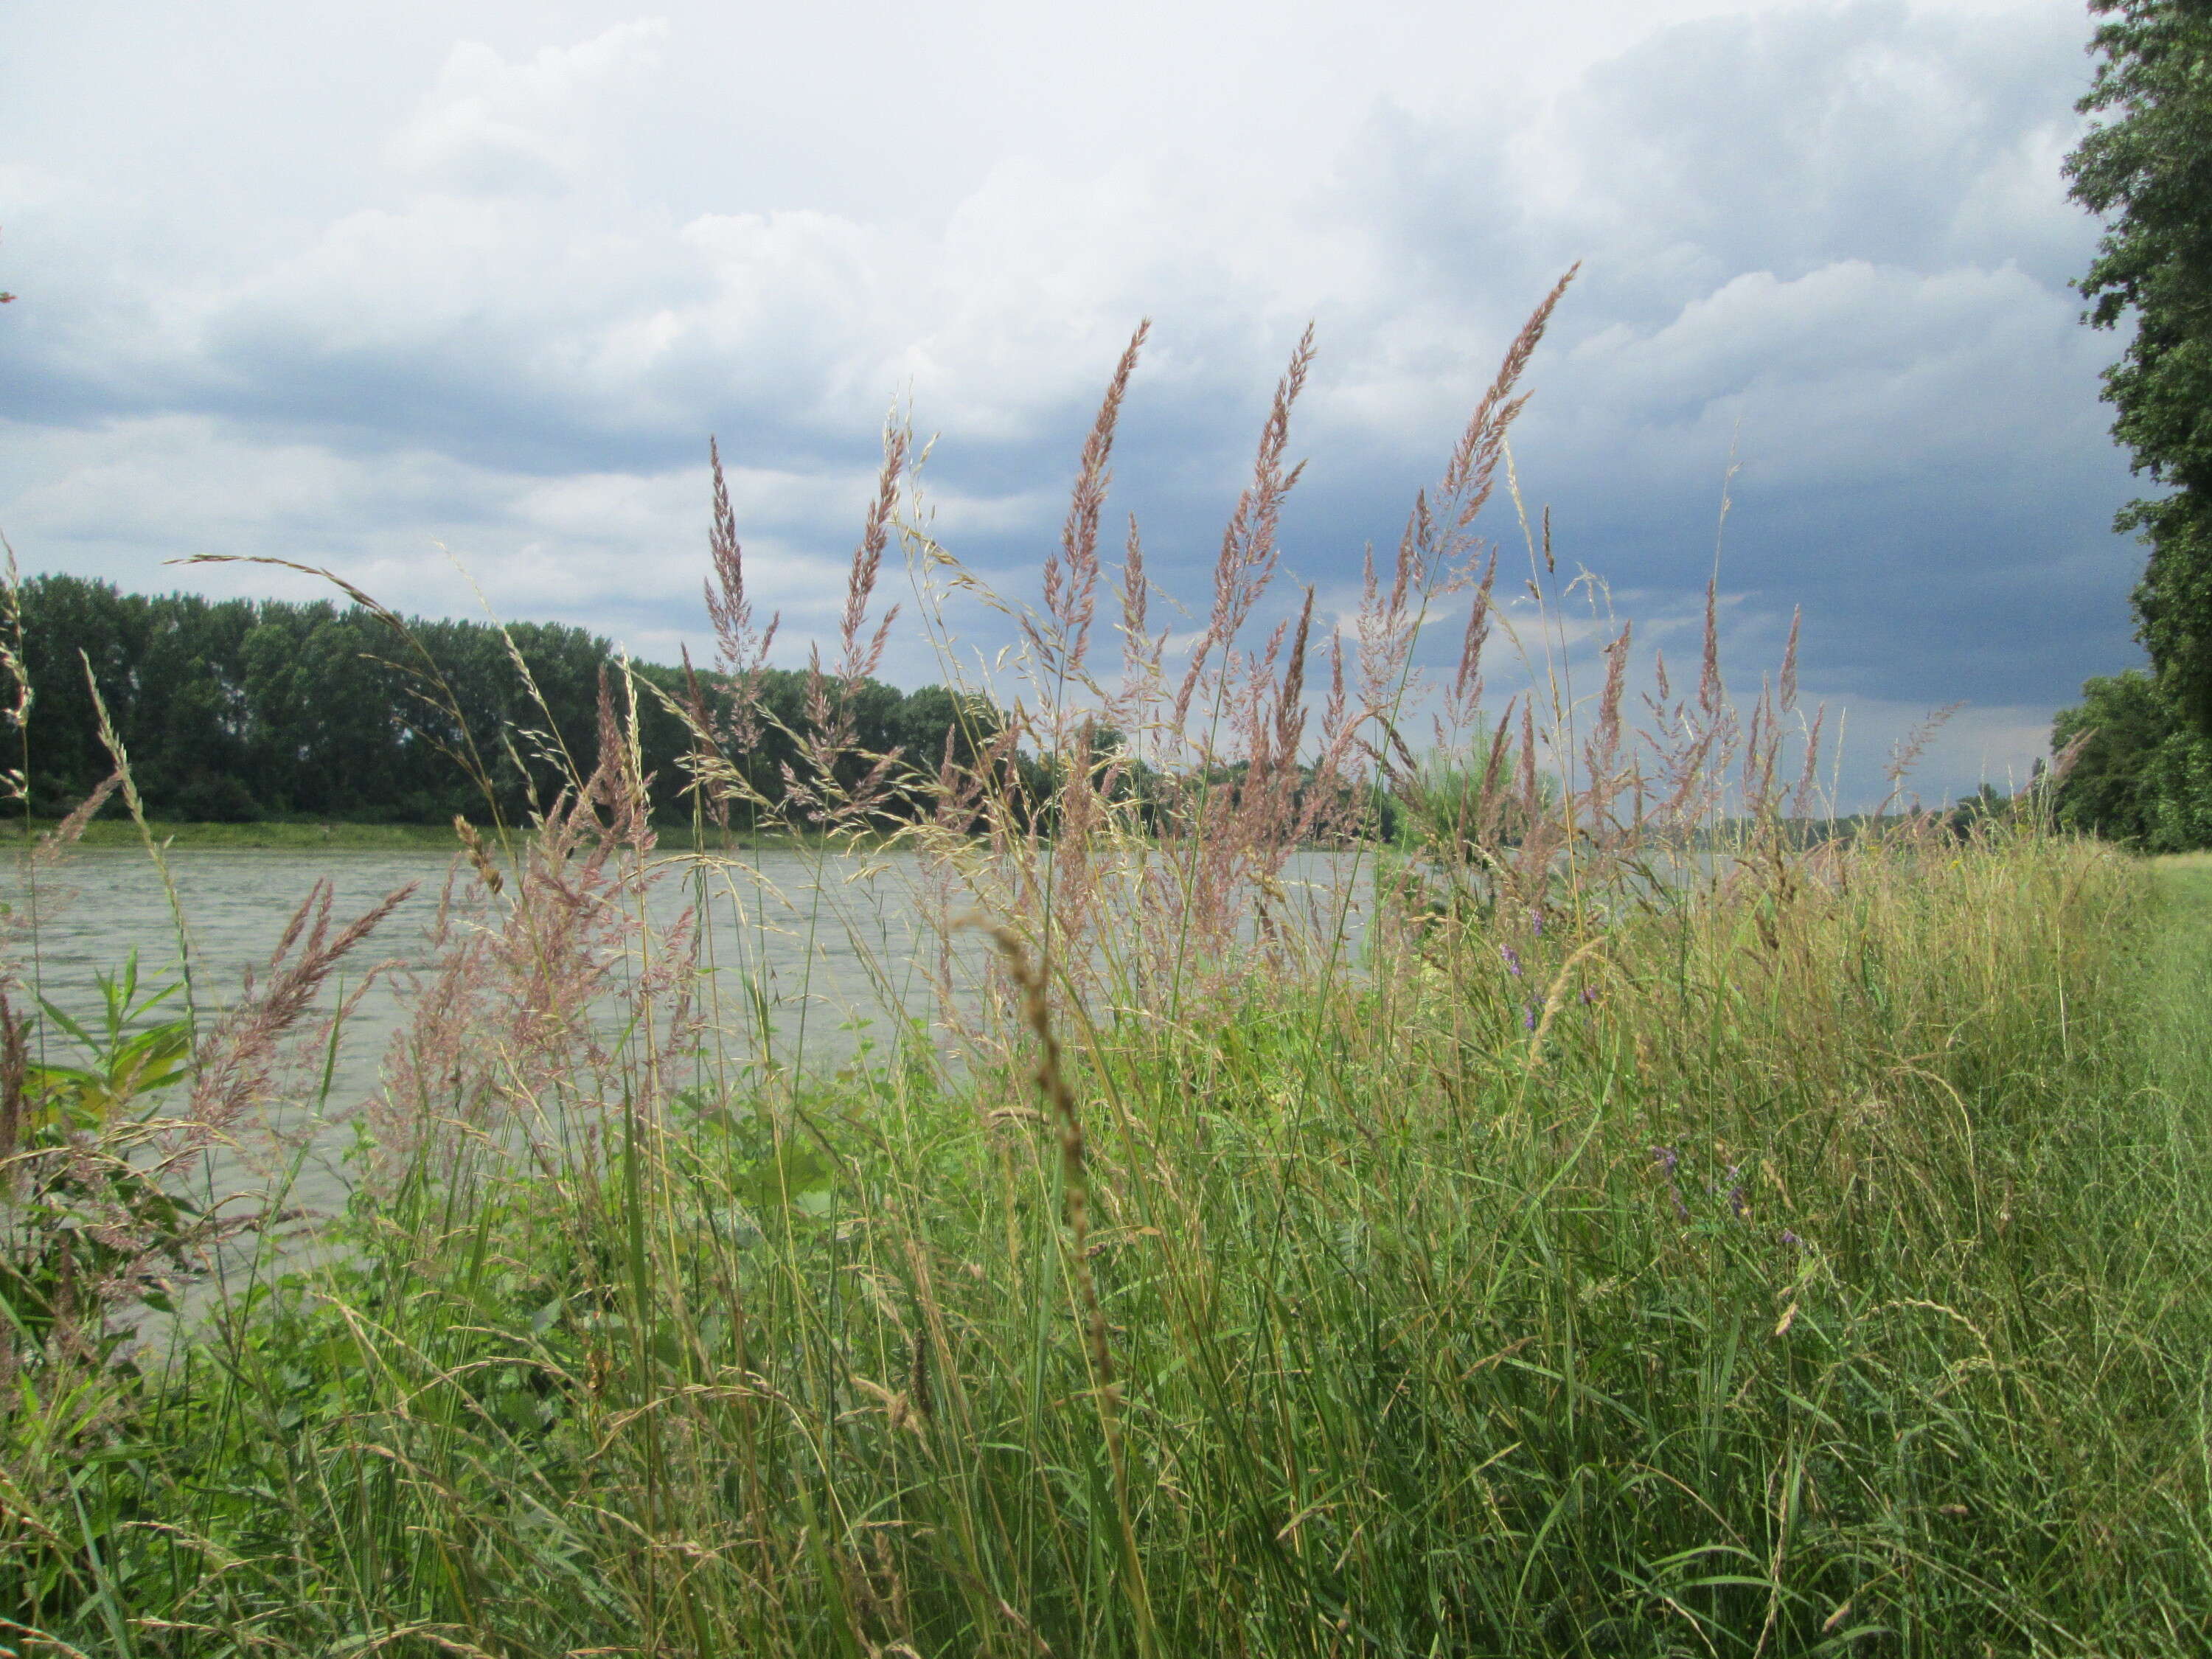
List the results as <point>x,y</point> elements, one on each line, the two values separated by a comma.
<point>2143,771</point>
<point>238,710</point>
<point>270,710</point>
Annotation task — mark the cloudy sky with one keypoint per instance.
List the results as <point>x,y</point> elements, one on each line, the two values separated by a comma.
<point>350,284</point>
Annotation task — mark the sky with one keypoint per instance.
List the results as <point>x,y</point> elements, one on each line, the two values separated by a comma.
<point>447,298</point>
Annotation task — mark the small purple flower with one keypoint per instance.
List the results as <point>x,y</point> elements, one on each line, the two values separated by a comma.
<point>1536,923</point>
<point>1528,1015</point>
<point>1589,995</point>
<point>1668,1160</point>
<point>1736,1194</point>
<point>1792,1240</point>
<point>1512,959</point>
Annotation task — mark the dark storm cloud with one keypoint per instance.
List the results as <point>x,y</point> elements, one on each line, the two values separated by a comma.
<point>1831,244</point>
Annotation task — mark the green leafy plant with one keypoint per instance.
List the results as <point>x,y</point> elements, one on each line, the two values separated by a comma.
<point>83,1217</point>
<point>129,1053</point>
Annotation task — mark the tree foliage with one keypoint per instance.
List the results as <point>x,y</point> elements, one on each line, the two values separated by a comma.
<point>2143,775</point>
<point>2148,170</point>
<point>242,709</point>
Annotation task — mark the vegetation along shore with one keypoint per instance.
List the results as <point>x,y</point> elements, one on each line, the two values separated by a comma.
<point>312,836</point>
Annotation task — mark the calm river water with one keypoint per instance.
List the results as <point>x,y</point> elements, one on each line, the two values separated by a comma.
<point>814,969</point>
<point>832,945</point>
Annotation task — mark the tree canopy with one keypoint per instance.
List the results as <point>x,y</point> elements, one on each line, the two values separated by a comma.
<point>242,709</point>
<point>2148,170</point>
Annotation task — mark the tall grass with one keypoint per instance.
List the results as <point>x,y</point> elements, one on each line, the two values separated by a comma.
<point>1540,1235</point>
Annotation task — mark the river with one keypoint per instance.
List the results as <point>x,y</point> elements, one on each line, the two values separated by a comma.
<point>830,948</point>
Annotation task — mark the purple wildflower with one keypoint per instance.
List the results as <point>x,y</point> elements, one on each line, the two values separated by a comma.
<point>1792,1240</point>
<point>1668,1160</point>
<point>1528,1016</point>
<point>1741,1209</point>
<point>1589,995</point>
<point>1512,959</point>
<point>1536,923</point>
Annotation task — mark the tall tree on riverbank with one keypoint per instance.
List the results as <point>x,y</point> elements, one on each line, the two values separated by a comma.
<point>2148,170</point>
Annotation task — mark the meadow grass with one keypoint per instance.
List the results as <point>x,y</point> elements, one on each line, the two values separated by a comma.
<point>1535,1240</point>
<point>1841,1295</point>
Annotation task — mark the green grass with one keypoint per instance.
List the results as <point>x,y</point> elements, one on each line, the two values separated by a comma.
<point>118,830</point>
<point>1833,1281</point>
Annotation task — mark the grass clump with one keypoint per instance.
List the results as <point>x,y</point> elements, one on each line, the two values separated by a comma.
<point>1531,1234</point>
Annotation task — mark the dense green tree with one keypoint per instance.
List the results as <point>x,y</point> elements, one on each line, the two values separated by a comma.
<point>2143,775</point>
<point>2148,170</point>
<point>61,618</point>
<point>2126,717</point>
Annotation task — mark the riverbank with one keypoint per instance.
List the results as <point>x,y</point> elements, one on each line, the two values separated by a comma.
<point>111,830</point>
<point>1795,1267</point>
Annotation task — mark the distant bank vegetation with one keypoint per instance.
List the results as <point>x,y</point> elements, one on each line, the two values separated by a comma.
<point>239,711</point>
<point>265,711</point>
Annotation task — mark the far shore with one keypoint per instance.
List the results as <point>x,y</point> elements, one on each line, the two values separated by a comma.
<point>287,836</point>
<point>112,829</point>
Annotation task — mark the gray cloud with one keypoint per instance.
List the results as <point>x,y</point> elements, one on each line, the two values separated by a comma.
<point>1831,244</point>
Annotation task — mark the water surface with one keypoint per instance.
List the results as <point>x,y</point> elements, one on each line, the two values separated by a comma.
<point>827,959</point>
